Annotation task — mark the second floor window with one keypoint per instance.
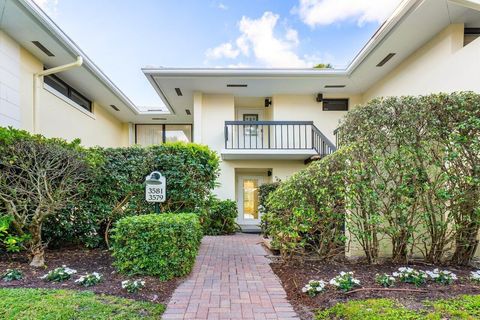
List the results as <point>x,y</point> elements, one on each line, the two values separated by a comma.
<point>66,90</point>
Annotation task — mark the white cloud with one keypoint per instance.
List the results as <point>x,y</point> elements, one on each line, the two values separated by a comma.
<point>49,6</point>
<point>270,47</point>
<point>325,12</point>
<point>225,50</point>
<point>222,6</point>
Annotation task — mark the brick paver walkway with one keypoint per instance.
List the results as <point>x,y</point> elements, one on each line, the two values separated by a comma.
<point>231,279</point>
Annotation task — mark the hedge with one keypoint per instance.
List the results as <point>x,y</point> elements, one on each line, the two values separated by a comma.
<point>306,212</point>
<point>407,172</point>
<point>162,245</point>
<point>190,169</point>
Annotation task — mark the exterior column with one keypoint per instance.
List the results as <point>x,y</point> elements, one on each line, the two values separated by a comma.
<point>197,116</point>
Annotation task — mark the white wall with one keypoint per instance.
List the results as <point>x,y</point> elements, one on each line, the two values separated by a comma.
<point>9,82</point>
<point>442,65</point>
<point>58,116</point>
<point>306,108</point>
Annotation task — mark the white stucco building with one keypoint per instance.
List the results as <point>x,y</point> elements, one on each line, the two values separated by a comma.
<point>266,124</point>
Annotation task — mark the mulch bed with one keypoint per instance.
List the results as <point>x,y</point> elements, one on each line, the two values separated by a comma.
<point>85,261</point>
<point>295,275</point>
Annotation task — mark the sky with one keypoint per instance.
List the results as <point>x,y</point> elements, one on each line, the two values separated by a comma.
<point>122,36</point>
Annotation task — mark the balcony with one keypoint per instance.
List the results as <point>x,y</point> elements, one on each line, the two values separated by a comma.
<point>282,140</point>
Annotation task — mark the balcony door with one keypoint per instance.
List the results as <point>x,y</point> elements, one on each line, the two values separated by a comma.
<point>250,136</point>
<point>248,201</point>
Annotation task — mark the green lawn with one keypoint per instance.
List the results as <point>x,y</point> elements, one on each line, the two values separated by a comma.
<point>464,307</point>
<point>43,304</point>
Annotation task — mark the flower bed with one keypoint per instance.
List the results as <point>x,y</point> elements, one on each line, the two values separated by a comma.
<point>295,276</point>
<point>91,265</point>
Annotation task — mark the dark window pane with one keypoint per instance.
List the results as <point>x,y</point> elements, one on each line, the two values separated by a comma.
<point>84,103</point>
<point>56,84</point>
<point>335,104</point>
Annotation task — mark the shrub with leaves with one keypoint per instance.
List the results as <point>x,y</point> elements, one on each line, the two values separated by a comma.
<point>90,279</point>
<point>314,287</point>
<point>218,217</point>
<point>12,275</point>
<point>410,275</point>
<point>190,169</point>
<point>163,245</point>
<point>133,286</point>
<point>306,213</point>
<point>59,274</point>
<point>414,175</point>
<point>385,280</point>
<point>9,241</point>
<point>345,281</point>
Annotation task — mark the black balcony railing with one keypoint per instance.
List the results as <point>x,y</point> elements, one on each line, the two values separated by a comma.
<point>276,135</point>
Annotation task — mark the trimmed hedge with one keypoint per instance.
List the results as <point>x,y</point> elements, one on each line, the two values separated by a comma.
<point>162,245</point>
<point>191,171</point>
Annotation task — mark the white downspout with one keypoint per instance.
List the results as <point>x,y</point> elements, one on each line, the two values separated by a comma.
<point>38,79</point>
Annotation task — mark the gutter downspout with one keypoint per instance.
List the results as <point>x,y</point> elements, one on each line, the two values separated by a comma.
<point>38,79</point>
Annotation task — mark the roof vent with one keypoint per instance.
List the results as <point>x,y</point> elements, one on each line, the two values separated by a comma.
<point>386,59</point>
<point>332,86</point>
<point>114,107</point>
<point>179,92</point>
<point>42,47</point>
<point>233,85</point>
<point>188,112</point>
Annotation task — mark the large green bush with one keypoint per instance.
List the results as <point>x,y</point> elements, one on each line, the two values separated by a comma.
<point>414,175</point>
<point>162,245</point>
<point>218,217</point>
<point>306,212</point>
<point>190,170</point>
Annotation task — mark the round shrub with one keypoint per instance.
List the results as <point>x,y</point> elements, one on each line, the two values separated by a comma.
<point>162,245</point>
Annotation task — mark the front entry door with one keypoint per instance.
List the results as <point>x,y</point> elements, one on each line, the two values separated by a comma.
<point>248,201</point>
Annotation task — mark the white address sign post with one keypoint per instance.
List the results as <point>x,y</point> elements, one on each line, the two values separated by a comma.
<point>155,189</point>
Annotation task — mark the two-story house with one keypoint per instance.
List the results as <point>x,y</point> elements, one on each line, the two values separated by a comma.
<point>269,123</point>
<point>266,124</point>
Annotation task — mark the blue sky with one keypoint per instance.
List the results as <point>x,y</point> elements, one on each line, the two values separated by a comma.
<point>122,36</point>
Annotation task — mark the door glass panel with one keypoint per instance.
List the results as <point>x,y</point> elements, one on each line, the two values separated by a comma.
<point>148,135</point>
<point>250,199</point>
<point>178,132</point>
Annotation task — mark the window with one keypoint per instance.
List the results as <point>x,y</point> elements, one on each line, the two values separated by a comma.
<point>470,35</point>
<point>178,132</point>
<point>64,89</point>
<point>335,104</point>
<point>152,134</point>
<point>251,130</point>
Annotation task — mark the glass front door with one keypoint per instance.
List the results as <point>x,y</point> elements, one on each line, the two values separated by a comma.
<point>248,200</point>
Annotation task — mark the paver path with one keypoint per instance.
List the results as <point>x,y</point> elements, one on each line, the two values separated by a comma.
<point>231,279</point>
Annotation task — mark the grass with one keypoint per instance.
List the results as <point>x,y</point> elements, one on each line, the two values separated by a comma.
<point>44,304</point>
<point>463,307</point>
